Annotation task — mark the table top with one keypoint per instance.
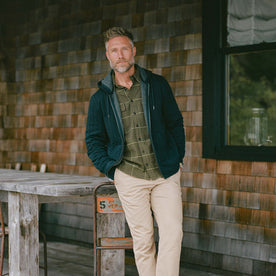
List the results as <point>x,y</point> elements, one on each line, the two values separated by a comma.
<point>47,184</point>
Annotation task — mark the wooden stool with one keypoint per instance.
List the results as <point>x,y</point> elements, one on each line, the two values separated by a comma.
<point>109,231</point>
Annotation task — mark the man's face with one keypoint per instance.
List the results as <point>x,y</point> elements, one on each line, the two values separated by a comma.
<point>120,53</point>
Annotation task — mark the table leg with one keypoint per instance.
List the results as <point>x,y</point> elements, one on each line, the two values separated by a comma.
<point>23,234</point>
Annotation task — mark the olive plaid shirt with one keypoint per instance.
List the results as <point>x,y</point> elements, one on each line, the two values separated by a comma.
<point>138,158</point>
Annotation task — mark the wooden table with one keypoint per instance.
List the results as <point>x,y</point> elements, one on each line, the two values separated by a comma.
<point>24,190</point>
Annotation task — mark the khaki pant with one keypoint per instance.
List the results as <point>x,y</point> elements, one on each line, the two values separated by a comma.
<point>143,199</point>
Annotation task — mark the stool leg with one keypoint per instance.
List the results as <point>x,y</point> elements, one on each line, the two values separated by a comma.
<point>97,262</point>
<point>2,253</point>
<point>2,225</point>
<point>45,252</point>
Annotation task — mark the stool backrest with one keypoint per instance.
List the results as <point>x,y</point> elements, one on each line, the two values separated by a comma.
<point>106,199</point>
<point>108,204</point>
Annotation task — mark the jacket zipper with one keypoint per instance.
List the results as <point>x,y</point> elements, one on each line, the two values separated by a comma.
<point>121,156</point>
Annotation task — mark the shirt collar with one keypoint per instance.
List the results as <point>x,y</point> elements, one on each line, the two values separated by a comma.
<point>135,78</point>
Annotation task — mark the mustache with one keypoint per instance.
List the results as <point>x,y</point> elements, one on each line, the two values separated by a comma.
<point>120,60</point>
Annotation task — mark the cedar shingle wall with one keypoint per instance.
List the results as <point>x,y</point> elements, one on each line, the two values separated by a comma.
<point>51,57</point>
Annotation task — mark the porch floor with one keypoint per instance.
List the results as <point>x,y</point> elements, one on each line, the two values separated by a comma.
<point>74,260</point>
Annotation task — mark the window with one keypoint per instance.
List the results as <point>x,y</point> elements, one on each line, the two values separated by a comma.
<point>239,79</point>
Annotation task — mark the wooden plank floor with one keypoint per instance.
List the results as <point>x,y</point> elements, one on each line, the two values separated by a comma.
<point>70,260</point>
<point>73,260</point>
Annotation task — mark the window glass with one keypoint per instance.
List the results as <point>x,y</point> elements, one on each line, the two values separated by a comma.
<point>239,80</point>
<point>252,99</point>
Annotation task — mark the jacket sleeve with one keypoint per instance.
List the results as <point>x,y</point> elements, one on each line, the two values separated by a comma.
<point>96,137</point>
<point>173,118</point>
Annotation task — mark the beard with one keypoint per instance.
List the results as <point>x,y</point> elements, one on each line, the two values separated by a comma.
<point>122,69</point>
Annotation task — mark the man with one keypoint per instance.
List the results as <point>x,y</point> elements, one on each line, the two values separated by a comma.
<point>135,136</point>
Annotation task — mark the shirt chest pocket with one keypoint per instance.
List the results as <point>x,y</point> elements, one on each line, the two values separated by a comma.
<point>124,107</point>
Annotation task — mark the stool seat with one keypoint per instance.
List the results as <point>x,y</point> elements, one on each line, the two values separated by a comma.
<point>115,243</point>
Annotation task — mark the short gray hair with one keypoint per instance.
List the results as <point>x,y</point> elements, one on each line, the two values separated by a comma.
<point>117,31</point>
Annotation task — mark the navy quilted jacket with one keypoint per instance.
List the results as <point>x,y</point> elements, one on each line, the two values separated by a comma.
<point>104,129</point>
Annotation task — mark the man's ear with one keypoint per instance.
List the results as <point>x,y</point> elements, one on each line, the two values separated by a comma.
<point>134,51</point>
<point>106,54</point>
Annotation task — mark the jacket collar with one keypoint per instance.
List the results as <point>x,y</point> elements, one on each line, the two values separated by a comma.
<point>107,83</point>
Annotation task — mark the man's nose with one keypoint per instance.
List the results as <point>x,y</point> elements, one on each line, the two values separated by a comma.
<point>120,53</point>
